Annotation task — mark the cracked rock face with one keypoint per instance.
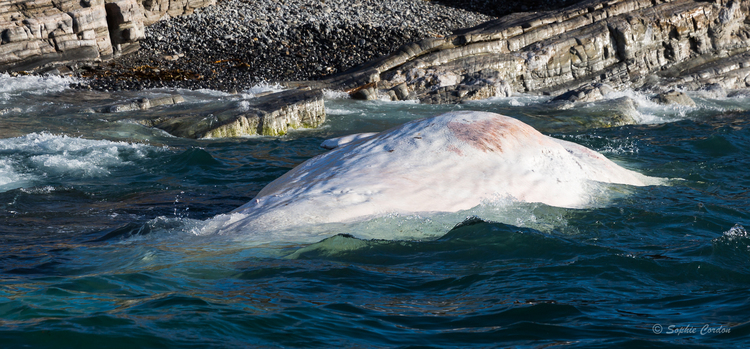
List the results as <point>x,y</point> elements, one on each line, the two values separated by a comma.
<point>43,32</point>
<point>683,44</point>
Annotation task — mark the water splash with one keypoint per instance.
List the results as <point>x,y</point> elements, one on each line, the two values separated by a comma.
<point>45,156</point>
<point>262,88</point>
<point>335,94</point>
<point>11,86</point>
<point>735,232</point>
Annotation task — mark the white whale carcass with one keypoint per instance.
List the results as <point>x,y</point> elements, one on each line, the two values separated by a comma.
<point>447,163</point>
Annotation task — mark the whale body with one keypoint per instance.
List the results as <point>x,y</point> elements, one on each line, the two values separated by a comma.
<point>447,163</point>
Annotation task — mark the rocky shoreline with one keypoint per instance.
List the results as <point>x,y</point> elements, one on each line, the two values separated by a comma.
<point>421,50</point>
<point>235,45</point>
<point>654,46</point>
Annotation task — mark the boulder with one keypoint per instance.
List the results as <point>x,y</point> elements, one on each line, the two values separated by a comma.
<point>269,115</point>
<point>603,113</point>
<point>615,112</point>
<point>674,97</point>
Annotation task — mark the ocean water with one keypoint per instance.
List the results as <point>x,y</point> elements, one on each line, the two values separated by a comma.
<point>104,239</point>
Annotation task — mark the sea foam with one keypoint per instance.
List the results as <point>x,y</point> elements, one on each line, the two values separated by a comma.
<point>38,85</point>
<point>25,159</point>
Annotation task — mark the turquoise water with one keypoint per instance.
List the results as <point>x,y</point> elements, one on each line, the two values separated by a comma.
<point>102,240</point>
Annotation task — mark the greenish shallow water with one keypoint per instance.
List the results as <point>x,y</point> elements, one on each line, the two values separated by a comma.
<point>99,243</point>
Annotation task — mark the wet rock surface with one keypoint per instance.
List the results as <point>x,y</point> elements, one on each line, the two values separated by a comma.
<point>674,97</point>
<point>143,104</point>
<point>267,115</point>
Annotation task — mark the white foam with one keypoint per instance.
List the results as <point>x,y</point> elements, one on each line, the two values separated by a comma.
<point>204,91</point>
<point>340,111</point>
<point>262,88</point>
<point>450,163</point>
<point>735,232</point>
<point>33,157</point>
<point>9,177</point>
<point>335,94</point>
<point>89,165</point>
<point>39,190</point>
<point>243,106</point>
<point>38,85</point>
<point>652,112</point>
<point>516,100</point>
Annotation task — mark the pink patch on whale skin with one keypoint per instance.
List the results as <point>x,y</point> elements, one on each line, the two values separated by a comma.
<point>453,149</point>
<point>491,135</point>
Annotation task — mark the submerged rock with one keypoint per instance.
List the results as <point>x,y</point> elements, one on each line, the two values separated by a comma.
<point>620,42</point>
<point>615,112</point>
<point>447,163</point>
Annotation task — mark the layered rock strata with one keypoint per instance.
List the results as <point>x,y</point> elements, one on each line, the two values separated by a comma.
<point>36,33</point>
<point>269,115</point>
<point>658,44</point>
<point>143,104</point>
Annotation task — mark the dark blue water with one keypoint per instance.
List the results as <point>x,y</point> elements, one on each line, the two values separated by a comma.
<point>102,242</point>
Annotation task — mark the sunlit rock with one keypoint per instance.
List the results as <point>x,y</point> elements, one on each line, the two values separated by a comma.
<point>686,44</point>
<point>144,103</point>
<point>674,97</point>
<point>268,115</point>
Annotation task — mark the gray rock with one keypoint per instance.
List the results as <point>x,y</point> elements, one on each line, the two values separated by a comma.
<point>368,93</point>
<point>144,103</point>
<point>600,114</point>
<point>674,97</point>
<point>269,115</point>
<point>586,93</point>
<point>617,112</point>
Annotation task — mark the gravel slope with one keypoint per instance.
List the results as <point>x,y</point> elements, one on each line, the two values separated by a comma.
<point>237,44</point>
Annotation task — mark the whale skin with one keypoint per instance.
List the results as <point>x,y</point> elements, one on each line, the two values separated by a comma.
<point>446,163</point>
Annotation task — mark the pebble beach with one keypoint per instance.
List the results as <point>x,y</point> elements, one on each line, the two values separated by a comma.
<point>238,44</point>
